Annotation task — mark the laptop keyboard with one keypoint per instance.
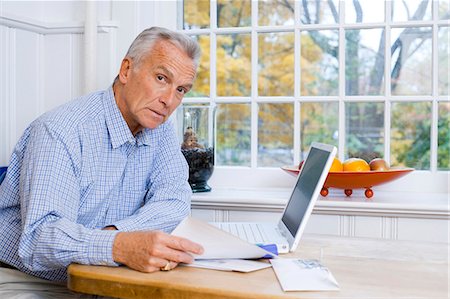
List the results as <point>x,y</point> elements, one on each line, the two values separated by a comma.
<point>251,232</point>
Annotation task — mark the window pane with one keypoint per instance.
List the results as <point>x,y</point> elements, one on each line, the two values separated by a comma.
<point>411,61</point>
<point>318,122</point>
<point>275,12</point>
<point>364,11</point>
<point>364,62</point>
<point>411,10</point>
<point>364,130</point>
<point>276,64</point>
<point>319,12</point>
<point>410,134</point>
<point>444,136</point>
<point>201,84</point>
<point>275,134</point>
<point>233,13</point>
<point>233,134</point>
<point>443,60</point>
<point>196,14</point>
<point>444,9</point>
<point>319,63</point>
<point>233,65</point>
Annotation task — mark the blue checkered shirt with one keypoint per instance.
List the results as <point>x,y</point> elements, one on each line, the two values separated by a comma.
<point>78,169</point>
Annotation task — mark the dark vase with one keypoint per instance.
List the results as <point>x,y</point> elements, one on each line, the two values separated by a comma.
<point>198,144</point>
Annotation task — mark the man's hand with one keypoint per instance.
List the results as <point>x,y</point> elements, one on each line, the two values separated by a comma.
<point>149,251</point>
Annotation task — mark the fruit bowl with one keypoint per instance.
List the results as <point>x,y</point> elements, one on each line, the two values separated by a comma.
<point>349,180</point>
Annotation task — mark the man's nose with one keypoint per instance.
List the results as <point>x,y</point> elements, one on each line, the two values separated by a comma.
<point>168,97</point>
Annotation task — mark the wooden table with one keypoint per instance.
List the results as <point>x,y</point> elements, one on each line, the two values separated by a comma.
<point>363,268</point>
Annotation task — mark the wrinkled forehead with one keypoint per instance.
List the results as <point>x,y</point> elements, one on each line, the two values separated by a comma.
<point>170,56</point>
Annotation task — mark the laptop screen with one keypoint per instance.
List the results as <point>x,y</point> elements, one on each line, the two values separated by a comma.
<point>306,184</point>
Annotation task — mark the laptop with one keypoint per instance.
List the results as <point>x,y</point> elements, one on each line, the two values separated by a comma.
<point>287,233</point>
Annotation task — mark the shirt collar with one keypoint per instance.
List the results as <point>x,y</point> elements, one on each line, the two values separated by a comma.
<point>144,137</point>
<point>116,124</point>
<point>118,129</point>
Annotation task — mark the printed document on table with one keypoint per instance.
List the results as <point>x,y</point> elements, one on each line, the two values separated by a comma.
<point>236,265</point>
<point>217,243</point>
<point>303,275</point>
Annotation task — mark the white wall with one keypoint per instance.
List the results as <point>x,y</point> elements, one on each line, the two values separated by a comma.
<point>41,54</point>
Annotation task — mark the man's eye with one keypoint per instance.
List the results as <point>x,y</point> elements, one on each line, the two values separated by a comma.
<point>182,90</point>
<point>160,78</point>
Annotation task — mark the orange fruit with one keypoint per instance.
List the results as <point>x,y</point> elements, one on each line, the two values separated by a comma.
<point>355,164</point>
<point>336,166</point>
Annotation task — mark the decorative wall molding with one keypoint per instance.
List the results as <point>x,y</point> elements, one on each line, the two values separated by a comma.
<point>326,209</point>
<point>41,27</point>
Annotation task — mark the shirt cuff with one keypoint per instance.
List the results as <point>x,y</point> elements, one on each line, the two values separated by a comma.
<point>100,247</point>
<point>127,225</point>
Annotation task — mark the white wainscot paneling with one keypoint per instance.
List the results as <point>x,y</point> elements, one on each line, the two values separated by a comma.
<point>5,69</point>
<point>371,227</point>
<point>433,230</point>
<point>58,70</point>
<point>28,79</point>
<point>323,224</point>
<point>205,215</point>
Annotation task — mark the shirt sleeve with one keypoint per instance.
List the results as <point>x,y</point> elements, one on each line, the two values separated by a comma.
<point>49,197</point>
<point>168,200</point>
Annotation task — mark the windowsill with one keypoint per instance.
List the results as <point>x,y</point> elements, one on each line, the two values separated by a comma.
<point>394,204</point>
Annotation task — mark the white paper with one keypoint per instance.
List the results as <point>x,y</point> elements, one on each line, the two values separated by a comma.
<point>217,243</point>
<point>303,275</point>
<point>237,265</point>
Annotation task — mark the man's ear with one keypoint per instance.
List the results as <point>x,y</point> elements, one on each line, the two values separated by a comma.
<point>125,69</point>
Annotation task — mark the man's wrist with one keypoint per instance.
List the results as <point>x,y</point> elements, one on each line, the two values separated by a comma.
<point>117,248</point>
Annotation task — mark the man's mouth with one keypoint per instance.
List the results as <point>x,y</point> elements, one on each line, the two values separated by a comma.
<point>161,114</point>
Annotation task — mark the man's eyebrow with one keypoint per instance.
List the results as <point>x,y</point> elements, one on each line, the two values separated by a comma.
<point>166,70</point>
<point>188,86</point>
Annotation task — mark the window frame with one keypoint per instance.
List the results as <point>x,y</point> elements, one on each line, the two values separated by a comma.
<point>432,180</point>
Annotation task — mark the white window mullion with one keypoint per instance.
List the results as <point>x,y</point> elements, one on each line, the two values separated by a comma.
<point>387,83</point>
<point>213,52</point>
<point>254,89</point>
<point>297,78</point>
<point>434,92</point>
<point>341,140</point>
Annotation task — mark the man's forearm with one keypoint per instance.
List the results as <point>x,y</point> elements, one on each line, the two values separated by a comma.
<point>57,244</point>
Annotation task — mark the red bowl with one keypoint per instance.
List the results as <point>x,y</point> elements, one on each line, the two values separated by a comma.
<point>349,180</point>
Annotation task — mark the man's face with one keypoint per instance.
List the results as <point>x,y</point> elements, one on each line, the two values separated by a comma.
<point>154,88</point>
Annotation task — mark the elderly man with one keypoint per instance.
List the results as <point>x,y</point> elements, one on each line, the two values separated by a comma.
<point>101,180</point>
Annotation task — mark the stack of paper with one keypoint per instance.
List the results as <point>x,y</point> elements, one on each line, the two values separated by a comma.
<point>236,265</point>
<point>223,251</point>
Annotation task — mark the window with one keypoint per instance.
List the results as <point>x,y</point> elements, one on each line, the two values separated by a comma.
<point>371,77</point>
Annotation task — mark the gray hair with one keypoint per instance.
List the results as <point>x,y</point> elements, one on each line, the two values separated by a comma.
<point>144,42</point>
